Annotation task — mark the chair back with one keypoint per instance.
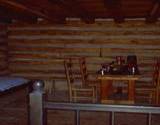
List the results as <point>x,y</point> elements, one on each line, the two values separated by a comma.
<point>69,73</point>
<point>78,66</point>
<point>156,74</point>
<point>83,69</point>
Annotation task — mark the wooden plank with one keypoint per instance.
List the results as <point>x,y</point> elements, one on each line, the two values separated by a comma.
<point>38,67</point>
<point>54,42</point>
<point>39,75</point>
<point>20,56</point>
<point>99,24</point>
<point>80,31</point>
<point>79,37</point>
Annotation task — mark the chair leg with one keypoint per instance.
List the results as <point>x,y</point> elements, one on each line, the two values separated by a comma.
<point>157,97</point>
<point>74,96</point>
<point>94,95</point>
<point>70,96</point>
<point>53,87</point>
<point>151,98</point>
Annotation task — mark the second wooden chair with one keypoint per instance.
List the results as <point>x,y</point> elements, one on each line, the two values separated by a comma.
<point>78,92</point>
<point>153,89</point>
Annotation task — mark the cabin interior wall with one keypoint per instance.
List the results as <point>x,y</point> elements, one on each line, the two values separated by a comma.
<point>37,50</point>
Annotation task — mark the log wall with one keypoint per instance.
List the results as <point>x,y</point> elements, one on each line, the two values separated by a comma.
<point>37,51</point>
<point>3,50</point>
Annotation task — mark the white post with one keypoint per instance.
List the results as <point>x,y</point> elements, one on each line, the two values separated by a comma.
<point>36,104</point>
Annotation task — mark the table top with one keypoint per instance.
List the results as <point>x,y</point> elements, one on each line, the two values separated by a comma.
<point>118,77</point>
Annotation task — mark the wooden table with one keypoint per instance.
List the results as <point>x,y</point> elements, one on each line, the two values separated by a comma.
<point>106,87</point>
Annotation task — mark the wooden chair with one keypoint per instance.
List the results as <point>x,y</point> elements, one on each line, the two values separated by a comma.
<point>153,89</point>
<point>85,76</point>
<point>78,92</point>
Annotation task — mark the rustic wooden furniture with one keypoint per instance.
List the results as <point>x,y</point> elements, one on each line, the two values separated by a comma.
<point>107,87</point>
<point>152,89</point>
<point>78,92</point>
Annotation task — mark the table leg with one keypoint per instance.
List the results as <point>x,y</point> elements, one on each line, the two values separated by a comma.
<point>106,89</point>
<point>131,90</point>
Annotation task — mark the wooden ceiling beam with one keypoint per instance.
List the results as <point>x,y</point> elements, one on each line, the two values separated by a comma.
<point>73,7</point>
<point>48,9</point>
<point>10,15</point>
<point>153,14</point>
<point>45,7</point>
<point>16,6</point>
<point>115,9</point>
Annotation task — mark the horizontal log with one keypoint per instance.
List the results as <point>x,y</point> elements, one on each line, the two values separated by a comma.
<point>87,37</point>
<point>45,42</point>
<point>94,51</point>
<point>55,67</point>
<point>100,32</point>
<point>31,71</point>
<point>138,52</point>
<point>38,67</point>
<point>38,76</point>
<point>98,23</point>
<point>52,49</point>
<point>21,56</point>
<point>23,61</point>
<point>49,59</point>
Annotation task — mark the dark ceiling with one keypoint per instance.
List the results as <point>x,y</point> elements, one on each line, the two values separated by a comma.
<point>87,10</point>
